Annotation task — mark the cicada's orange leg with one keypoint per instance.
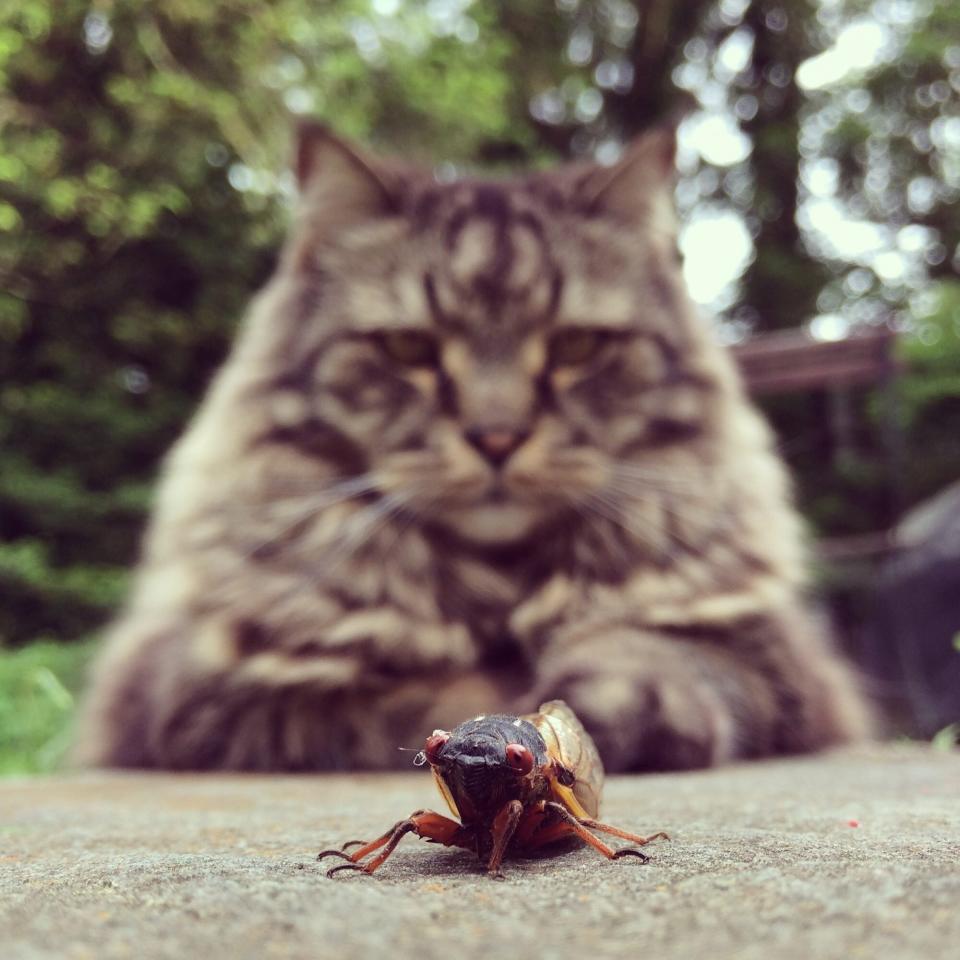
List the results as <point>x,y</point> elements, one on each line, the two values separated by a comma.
<point>426,824</point>
<point>368,845</point>
<point>617,832</point>
<point>504,826</point>
<point>569,825</point>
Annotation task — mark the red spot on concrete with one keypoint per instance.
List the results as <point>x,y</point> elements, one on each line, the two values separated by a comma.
<point>853,823</point>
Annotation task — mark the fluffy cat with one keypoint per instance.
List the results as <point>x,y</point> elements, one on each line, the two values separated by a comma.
<point>472,451</point>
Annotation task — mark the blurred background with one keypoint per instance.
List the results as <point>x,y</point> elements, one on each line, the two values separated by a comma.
<point>144,193</point>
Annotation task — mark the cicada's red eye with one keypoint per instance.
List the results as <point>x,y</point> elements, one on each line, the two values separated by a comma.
<point>519,758</point>
<point>434,745</point>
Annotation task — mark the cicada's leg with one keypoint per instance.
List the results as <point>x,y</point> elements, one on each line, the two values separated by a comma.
<point>504,826</point>
<point>567,826</point>
<point>617,832</point>
<point>571,825</point>
<point>430,826</point>
<point>371,845</point>
<point>368,846</point>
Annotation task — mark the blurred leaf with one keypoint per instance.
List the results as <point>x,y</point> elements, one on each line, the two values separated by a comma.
<point>947,738</point>
<point>38,686</point>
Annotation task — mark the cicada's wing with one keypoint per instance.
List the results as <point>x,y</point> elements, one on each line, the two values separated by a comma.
<point>571,746</point>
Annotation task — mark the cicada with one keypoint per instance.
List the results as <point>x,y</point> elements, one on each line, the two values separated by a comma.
<point>515,784</point>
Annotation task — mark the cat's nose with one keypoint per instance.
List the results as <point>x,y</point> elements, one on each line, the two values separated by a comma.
<point>496,443</point>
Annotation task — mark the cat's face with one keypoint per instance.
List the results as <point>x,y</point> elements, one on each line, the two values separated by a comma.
<point>500,353</point>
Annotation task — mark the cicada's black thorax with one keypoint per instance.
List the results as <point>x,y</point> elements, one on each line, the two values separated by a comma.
<point>473,765</point>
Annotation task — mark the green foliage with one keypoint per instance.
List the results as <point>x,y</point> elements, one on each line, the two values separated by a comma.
<point>38,688</point>
<point>930,392</point>
<point>947,739</point>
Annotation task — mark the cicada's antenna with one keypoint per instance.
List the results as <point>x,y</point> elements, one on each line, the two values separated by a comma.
<point>420,759</point>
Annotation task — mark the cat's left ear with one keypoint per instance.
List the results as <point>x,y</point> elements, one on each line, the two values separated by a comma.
<point>337,179</point>
<point>641,180</point>
<point>340,187</point>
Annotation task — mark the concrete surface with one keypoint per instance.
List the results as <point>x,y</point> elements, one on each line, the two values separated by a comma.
<point>847,855</point>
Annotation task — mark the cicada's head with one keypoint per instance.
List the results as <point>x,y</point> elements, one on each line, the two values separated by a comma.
<point>484,763</point>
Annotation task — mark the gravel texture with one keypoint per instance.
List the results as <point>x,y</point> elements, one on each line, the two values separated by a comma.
<point>853,854</point>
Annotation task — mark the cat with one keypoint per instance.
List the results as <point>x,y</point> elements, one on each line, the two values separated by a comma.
<point>472,451</point>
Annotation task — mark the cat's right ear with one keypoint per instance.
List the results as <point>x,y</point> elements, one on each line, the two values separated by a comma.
<point>640,181</point>
<point>339,184</point>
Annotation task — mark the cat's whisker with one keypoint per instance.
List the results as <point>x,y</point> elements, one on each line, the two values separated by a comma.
<point>701,509</point>
<point>709,520</point>
<point>358,530</point>
<point>697,509</point>
<point>686,490</point>
<point>379,515</point>
<point>710,523</point>
<point>591,519</point>
<point>343,489</point>
<point>309,507</point>
<point>655,476</point>
<point>693,504</point>
<point>629,519</point>
<point>410,508</point>
<point>612,512</point>
<point>645,485</point>
<point>655,473</point>
<point>360,527</point>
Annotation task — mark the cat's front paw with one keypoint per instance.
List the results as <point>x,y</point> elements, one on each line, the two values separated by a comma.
<point>645,719</point>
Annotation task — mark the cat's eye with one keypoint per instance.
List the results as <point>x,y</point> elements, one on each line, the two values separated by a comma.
<point>410,347</point>
<point>572,347</point>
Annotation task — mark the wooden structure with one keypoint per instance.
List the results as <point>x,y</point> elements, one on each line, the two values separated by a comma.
<point>791,361</point>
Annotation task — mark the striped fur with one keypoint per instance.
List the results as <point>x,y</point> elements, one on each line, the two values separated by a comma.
<point>335,565</point>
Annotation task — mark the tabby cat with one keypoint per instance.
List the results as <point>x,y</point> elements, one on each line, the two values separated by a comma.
<point>472,451</point>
